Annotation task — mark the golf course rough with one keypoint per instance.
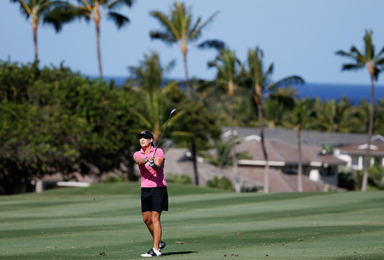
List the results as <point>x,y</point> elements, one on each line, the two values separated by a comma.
<point>105,222</point>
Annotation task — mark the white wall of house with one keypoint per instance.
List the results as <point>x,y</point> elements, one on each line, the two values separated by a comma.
<point>344,157</point>
<point>356,161</point>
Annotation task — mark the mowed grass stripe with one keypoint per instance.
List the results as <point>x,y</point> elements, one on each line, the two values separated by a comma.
<point>210,225</point>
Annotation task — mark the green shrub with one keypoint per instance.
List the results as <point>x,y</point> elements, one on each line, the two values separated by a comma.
<point>249,189</point>
<point>220,182</point>
<point>348,180</point>
<point>113,179</point>
<point>376,176</point>
<point>179,178</point>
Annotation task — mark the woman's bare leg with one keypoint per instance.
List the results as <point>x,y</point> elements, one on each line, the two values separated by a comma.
<point>156,228</point>
<point>147,218</point>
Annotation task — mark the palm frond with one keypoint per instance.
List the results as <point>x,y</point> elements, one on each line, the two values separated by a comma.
<point>24,7</point>
<point>359,56</point>
<point>195,33</point>
<point>170,65</point>
<point>216,44</point>
<point>291,80</point>
<point>117,3</point>
<point>169,87</point>
<point>174,118</point>
<point>61,15</point>
<point>86,4</point>
<point>353,66</point>
<point>194,26</point>
<point>380,61</point>
<point>162,36</point>
<point>120,20</point>
<point>182,134</point>
<point>269,70</point>
<point>204,85</point>
<point>369,51</point>
<point>221,69</point>
<point>44,6</point>
<point>143,120</point>
<point>167,24</point>
<point>376,73</point>
<point>343,53</point>
<point>377,57</point>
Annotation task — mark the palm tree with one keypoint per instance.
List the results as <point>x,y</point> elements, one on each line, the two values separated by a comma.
<point>363,111</point>
<point>45,10</point>
<point>178,28</point>
<point>196,130</point>
<point>301,117</point>
<point>258,82</point>
<point>375,64</point>
<point>279,101</point>
<point>97,9</point>
<point>337,116</point>
<point>229,70</point>
<point>223,153</point>
<point>147,79</point>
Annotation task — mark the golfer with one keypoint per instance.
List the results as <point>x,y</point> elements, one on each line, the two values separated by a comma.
<point>154,195</point>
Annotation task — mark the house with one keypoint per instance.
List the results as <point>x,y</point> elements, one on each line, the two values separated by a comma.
<point>319,169</point>
<point>320,166</point>
<point>348,147</point>
<point>284,156</point>
<point>354,154</point>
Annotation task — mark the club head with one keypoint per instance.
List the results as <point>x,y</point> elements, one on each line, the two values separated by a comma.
<point>173,111</point>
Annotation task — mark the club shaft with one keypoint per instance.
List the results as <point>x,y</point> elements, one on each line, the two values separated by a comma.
<point>161,136</point>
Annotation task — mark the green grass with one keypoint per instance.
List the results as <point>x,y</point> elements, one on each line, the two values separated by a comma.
<point>129,189</point>
<point>80,223</point>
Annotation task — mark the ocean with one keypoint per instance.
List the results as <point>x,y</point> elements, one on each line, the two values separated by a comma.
<point>324,91</point>
<point>355,93</point>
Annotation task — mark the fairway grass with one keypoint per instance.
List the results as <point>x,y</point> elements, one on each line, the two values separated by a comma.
<point>202,224</point>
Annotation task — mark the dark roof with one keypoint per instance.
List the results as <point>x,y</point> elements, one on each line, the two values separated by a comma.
<point>377,148</point>
<point>308,138</point>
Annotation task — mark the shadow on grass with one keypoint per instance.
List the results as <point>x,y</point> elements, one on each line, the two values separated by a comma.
<point>180,253</point>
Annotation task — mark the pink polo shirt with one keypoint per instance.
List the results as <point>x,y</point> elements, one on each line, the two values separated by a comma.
<point>149,177</point>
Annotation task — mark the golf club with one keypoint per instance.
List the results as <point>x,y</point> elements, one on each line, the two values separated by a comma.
<point>170,114</point>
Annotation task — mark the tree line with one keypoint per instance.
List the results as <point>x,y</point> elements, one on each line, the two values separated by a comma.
<point>271,100</point>
<point>53,120</point>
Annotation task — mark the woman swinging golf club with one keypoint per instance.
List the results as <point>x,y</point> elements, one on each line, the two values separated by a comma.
<point>154,195</point>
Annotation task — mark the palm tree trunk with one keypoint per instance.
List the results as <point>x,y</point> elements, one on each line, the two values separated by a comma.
<point>266,171</point>
<point>98,48</point>
<point>300,169</point>
<point>186,75</point>
<point>234,160</point>
<point>195,162</point>
<point>370,128</point>
<point>34,29</point>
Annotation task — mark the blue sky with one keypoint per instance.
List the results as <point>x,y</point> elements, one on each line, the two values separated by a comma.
<point>299,36</point>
